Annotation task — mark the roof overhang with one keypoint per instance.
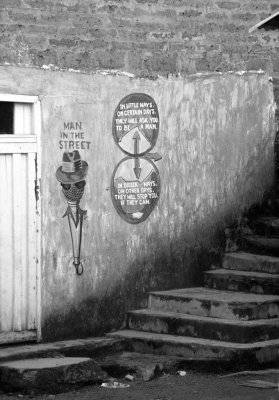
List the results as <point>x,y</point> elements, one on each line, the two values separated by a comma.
<point>260,24</point>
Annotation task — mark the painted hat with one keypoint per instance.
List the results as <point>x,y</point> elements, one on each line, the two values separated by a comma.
<point>73,169</point>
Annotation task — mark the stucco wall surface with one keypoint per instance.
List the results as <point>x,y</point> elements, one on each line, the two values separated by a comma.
<point>216,139</point>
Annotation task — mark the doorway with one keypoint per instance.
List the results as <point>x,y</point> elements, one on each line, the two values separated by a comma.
<point>19,219</point>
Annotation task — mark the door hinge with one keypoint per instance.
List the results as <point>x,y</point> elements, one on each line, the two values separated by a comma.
<point>37,186</point>
<point>37,190</point>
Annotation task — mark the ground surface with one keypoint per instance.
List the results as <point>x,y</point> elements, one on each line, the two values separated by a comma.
<point>193,386</point>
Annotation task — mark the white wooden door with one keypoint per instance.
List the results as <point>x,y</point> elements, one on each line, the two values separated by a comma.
<point>19,226</point>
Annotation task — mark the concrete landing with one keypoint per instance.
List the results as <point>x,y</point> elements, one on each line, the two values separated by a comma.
<point>49,375</point>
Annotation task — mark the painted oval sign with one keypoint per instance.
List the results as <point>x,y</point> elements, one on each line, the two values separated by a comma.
<point>135,124</point>
<point>135,188</point>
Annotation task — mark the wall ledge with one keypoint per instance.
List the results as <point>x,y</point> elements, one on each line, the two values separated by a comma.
<point>112,72</point>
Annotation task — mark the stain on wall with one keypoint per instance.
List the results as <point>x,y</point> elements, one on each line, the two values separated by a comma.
<point>216,141</point>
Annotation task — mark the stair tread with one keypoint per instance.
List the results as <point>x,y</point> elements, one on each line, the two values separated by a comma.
<point>270,241</point>
<point>186,340</point>
<point>254,274</point>
<point>218,296</point>
<point>269,220</point>
<point>242,255</point>
<point>187,317</point>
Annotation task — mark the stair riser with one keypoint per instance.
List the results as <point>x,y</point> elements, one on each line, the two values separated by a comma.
<point>270,228</point>
<point>261,246</point>
<point>188,351</point>
<point>242,284</point>
<point>201,329</point>
<point>206,308</point>
<point>249,264</point>
<point>206,352</point>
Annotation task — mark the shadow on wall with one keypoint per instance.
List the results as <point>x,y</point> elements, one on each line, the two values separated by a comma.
<point>179,265</point>
<point>168,261</point>
<point>178,249</point>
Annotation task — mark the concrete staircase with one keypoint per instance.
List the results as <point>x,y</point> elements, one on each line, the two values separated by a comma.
<point>234,317</point>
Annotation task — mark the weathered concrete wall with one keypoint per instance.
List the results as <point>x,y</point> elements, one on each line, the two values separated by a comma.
<point>216,141</point>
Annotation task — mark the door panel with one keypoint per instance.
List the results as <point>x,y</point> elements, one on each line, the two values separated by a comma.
<point>6,243</point>
<point>18,242</point>
<point>23,119</point>
<point>18,231</point>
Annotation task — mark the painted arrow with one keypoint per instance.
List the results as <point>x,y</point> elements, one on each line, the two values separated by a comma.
<point>137,168</point>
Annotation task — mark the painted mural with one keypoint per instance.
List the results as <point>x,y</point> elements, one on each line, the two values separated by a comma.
<point>135,184</point>
<point>71,175</point>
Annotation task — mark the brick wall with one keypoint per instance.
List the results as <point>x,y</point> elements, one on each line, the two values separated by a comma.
<point>139,36</point>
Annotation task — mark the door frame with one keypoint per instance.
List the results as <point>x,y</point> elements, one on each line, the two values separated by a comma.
<point>35,101</point>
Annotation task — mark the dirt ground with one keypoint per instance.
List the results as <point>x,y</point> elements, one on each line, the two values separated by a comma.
<point>192,386</point>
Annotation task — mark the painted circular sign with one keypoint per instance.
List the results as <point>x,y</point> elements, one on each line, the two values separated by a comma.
<point>135,188</point>
<point>135,124</point>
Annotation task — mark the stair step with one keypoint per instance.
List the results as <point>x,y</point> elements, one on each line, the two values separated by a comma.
<point>243,281</point>
<point>268,225</point>
<point>216,303</point>
<point>49,375</point>
<point>200,349</point>
<point>203,327</point>
<point>251,262</point>
<point>261,244</point>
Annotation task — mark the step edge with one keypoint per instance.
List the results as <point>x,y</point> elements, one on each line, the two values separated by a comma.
<point>239,272</point>
<point>254,256</point>
<point>159,337</point>
<point>261,237</point>
<point>174,294</point>
<point>193,317</point>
